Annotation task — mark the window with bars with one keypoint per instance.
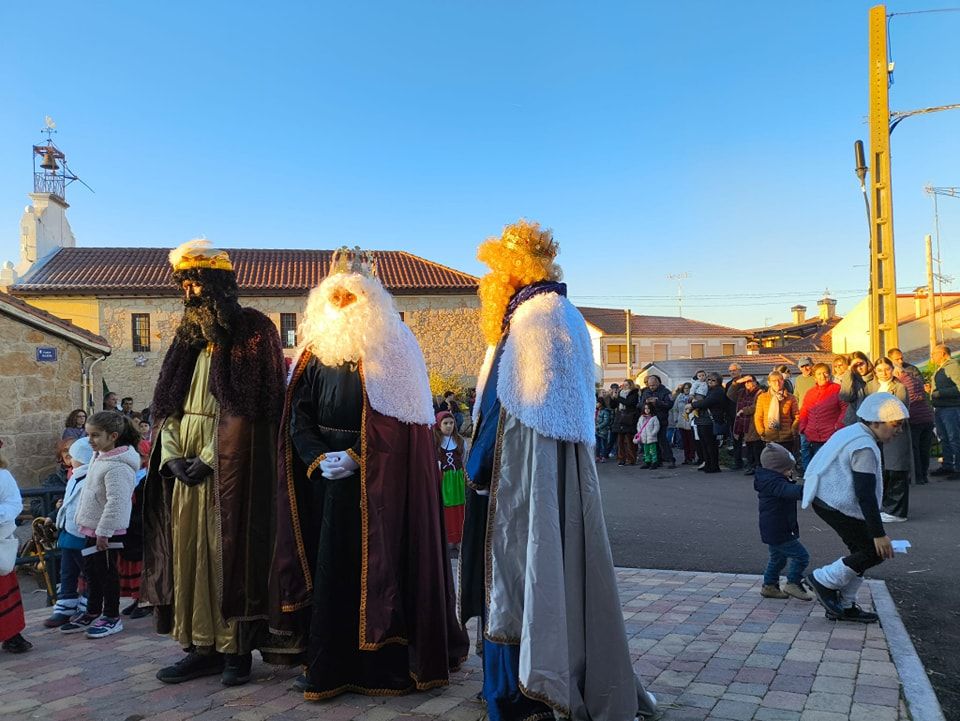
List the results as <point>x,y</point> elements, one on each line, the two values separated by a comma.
<point>288,330</point>
<point>140,332</point>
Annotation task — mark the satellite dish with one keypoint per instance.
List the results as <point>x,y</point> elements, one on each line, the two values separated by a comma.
<point>48,121</point>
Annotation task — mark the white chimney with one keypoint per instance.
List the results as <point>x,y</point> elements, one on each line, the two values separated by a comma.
<point>8,276</point>
<point>753,347</point>
<point>799,314</point>
<point>919,295</point>
<point>827,307</point>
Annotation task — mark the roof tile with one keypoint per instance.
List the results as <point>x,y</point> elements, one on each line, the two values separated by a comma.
<point>121,271</point>
<point>612,321</point>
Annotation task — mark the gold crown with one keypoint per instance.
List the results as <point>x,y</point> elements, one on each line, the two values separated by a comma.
<point>526,237</point>
<point>199,253</point>
<point>353,260</point>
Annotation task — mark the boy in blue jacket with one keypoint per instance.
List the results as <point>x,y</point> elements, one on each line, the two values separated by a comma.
<point>778,496</point>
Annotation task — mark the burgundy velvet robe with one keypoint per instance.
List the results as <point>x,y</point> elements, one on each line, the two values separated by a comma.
<point>407,594</point>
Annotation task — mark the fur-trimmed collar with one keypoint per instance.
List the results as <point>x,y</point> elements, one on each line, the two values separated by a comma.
<point>395,377</point>
<point>246,377</point>
<point>546,372</point>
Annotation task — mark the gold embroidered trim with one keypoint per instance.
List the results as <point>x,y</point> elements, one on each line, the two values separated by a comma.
<point>336,430</point>
<point>353,688</point>
<point>316,462</point>
<point>291,491</point>
<point>364,521</point>
<point>353,454</point>
<point>491,512</point>
<point>543,698</point>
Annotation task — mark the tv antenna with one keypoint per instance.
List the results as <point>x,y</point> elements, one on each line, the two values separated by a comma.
<point>679,277</point>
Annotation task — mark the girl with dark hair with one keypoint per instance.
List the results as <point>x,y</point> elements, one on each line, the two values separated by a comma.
<point>103,517</point>
<point>853,385</point>
<point>74,427</point>
<point>453,485</point>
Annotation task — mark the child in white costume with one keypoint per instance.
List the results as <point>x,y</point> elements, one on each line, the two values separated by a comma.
<point>844,483</point>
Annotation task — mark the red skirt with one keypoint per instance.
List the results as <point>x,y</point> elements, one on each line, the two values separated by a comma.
<point>11,607</point>
<point>129,572</point>
<point>453,520</point>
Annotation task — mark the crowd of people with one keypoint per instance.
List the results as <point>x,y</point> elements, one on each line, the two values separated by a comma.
<point>800,413</point>
<point>308,511</point>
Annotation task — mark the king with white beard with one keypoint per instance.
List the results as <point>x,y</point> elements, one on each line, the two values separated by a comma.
<point>360,581</point>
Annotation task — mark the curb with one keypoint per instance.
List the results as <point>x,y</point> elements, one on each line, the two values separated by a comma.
<point>921,700</point>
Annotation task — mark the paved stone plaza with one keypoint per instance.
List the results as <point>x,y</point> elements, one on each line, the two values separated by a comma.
<point>706,644</point>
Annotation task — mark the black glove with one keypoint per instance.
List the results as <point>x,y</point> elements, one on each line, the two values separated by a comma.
<point>198,472</point>
<point>177,467</point>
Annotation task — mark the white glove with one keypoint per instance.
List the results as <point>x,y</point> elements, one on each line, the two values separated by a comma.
<point>337,465</point>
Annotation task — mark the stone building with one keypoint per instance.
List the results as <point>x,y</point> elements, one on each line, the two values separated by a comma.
<point>48,367</point>
<point>127,295</point>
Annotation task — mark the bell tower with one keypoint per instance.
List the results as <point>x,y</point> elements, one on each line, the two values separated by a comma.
<point>44,227</point>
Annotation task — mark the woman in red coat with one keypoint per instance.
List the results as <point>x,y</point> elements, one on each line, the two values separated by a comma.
<point>822,411</point>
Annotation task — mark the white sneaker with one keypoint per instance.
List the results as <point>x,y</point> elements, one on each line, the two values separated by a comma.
<point>887,518</point>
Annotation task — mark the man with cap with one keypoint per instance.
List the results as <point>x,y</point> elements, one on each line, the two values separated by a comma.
<point>536,565</point>
<point>211,479</point>
<point>844,484</point>
<point>805,381</point>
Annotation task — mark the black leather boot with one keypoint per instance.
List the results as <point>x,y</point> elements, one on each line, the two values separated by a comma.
<point>236,669</point>
<point>193,665</point>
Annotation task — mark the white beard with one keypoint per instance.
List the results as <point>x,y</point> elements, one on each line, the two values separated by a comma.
<point>349,334</point>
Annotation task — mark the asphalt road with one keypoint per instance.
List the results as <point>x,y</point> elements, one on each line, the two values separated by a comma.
<point>682,519</point>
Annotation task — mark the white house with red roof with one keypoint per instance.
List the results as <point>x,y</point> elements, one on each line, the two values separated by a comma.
<point>653,338</point>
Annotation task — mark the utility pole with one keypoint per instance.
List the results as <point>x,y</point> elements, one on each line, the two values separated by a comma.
<point>883,277</point>
<point>629,347</point>
<point>931,299</point>
<point>679,277</point>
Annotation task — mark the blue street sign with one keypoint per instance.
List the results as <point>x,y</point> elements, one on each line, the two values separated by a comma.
<point>46,355</point>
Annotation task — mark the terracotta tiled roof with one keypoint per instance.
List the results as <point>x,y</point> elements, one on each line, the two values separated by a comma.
<point>26,313</point>
<point>145,271</point>
<point>612,321</point>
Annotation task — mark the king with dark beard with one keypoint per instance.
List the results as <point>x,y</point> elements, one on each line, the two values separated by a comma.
<point>207,524</point>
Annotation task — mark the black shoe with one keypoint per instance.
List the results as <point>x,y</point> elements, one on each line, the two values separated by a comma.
<point>856,615</point>
<point>131,608</point>
<point>236,669</point>
<point>645,466</point>
<point>750,471</point>
<point>828,598</point>
<point>17,644</point>
<point>141,612</point>
<point>193,665</point>
<point>942,471</point>
<point>620,463</point>
<point>300,683</point>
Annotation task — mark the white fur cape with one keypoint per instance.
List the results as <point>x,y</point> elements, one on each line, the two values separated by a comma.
<point>395,377</point>
<point>546,374</point>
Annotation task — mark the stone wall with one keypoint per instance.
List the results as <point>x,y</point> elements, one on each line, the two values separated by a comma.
<point>35,398</point>
<point>446,327</point>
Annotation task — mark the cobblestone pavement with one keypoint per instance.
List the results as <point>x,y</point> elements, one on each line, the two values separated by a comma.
<point>706,644</point>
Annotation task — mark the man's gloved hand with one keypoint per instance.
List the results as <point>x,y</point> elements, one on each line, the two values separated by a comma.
<point>177,467</point>
<point>198,471</point>
<point>338,464</point>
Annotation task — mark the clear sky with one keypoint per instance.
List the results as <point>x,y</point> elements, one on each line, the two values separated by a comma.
<point>655,138</point>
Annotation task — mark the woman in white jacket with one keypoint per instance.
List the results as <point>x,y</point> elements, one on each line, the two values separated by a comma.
<point>11,605</point>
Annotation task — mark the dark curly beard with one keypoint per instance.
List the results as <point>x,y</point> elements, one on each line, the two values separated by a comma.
<point>208,320</point>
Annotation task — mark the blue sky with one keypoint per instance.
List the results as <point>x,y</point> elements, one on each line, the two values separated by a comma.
<point>654,138</point>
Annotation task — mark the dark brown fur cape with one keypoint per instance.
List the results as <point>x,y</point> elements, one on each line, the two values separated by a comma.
<point>246,377</point>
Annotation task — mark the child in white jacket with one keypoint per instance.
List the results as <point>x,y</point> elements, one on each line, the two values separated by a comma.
<point>70,541</point>
<point>103,516</point>
<point>647,429</point>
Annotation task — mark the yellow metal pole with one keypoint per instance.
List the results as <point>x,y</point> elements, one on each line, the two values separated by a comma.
<point>883,277</point>
<point>629,359</point>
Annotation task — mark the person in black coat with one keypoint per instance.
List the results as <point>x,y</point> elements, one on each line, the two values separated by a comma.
<point>625,422</point>
<point>659,396</point>
<point>711,409</point>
